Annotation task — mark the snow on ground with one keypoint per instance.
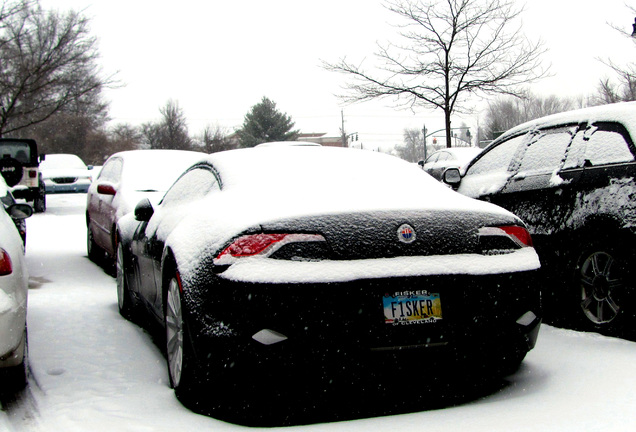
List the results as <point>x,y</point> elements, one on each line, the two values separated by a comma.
<point>94,371</point>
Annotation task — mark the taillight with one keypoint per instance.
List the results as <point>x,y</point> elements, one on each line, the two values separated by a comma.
<point>6,267</point>
<point>519,235</point>
<point>260,245</point>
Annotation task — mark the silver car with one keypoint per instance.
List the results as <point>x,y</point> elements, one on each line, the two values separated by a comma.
<point>65,173</point>
<point>14,281</point>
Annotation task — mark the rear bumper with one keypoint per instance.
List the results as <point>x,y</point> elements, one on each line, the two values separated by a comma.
<point>28,194</point>
<point>52,187</point>
<point>269,326</point>
<point>12,329</point>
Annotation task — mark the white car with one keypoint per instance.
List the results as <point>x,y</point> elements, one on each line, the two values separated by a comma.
<point>123,181</point>
<point>65,173</point>
<point>14,281</point>
<point>456,157</point>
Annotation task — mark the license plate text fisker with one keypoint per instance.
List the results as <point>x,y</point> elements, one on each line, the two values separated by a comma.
<point>412,307</point>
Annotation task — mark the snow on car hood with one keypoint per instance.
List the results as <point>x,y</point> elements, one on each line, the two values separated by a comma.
<point>269,184</point>
<point>65,172</point>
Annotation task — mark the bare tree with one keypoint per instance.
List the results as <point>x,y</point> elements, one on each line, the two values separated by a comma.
<point>621,90</point>
<point>216,139</point>
<point>623,87</point>
<point>48,64</point>
<point>412,149</point>
<point>507,112</point>
<point>454,48</point>
<point>170,133</point>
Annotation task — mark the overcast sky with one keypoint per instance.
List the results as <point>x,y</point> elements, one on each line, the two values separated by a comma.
<point>219,58</point>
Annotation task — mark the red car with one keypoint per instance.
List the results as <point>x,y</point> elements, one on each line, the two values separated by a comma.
<point>125,178</point>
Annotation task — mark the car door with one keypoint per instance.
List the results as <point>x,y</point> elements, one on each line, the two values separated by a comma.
<point>182,199</point>
<point>429,164</point>
<point>602,165</point>
<point>439,166</point>
<point>604,152</point>
<point>101,209</point>
<point>535,191</point>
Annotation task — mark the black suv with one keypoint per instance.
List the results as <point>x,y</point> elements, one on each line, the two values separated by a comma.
<point>19,162</point>
<point>570,177</point>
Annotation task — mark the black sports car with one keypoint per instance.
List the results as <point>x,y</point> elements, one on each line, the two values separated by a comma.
<point>284,256</point>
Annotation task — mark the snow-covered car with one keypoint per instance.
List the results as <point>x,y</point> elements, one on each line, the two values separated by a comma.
<point>14,281</point>
<point>570,177</point>
<point>456,157</point>
<point>125,178</point>
<point>65,173</point>
<point>258,261</point>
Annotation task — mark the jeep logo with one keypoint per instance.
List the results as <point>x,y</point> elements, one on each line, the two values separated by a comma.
<point>8,169</point>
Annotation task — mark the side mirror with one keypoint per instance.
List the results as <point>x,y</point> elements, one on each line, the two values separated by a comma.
<point>452,177</point>
<point>421,164</point>
<point>20,211</point>
<point>106,189</point>
<point>144,210</point>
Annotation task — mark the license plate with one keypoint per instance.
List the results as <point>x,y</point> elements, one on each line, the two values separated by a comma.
<point>412,307</point>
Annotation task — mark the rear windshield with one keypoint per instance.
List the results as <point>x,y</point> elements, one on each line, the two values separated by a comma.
<point>17,150</point>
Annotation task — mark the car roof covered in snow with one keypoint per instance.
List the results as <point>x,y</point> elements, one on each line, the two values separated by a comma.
<point>624,113</point>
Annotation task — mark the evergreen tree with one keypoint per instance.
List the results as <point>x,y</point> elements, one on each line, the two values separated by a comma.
<point>264,123</point>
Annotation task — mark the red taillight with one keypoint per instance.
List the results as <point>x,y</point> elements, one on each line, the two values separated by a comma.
<point>520,233</point>
<point>33,173</point>
<point>6,267</point>
<point>251,244</point>
<point>260,244</point>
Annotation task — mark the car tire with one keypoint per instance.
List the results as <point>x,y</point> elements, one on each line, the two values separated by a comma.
<point>125,301</point>
<point>14,378</point>
<point>604,289</point>
<point>39,202</point>
<point>179,354</point>
<point>95,253</point>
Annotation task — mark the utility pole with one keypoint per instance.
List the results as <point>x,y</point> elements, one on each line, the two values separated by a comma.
<point>424,139</point>
<point>343,134</point>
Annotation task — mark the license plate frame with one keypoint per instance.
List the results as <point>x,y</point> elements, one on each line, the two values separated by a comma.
<point>412,307</point>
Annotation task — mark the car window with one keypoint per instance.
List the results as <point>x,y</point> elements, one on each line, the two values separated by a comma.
<point>599,145</point>
<point>17,150</point>
<point>432,158</point>
<point>497,159</point>
<point>191,186</point>
<point>443,156</point>
<point>546,153</point>
<point>112,170</point>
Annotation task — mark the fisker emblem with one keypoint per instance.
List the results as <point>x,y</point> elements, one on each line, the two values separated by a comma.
<point>406,233</point>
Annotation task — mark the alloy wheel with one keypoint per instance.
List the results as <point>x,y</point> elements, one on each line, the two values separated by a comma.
<point>174,332</point>
<point>601,283</point>
<point>119,268</point>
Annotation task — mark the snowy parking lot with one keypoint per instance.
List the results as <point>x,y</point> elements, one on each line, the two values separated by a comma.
<point>91,370</point>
